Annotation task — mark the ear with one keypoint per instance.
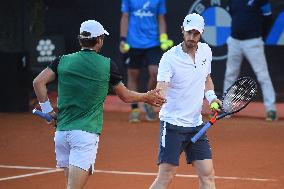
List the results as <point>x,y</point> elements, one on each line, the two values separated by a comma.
<point>182,29</point>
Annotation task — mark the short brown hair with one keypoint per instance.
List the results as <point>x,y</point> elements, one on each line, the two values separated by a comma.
<point>86,41</point>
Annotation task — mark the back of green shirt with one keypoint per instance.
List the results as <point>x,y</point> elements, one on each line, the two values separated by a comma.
<point>83,82</point>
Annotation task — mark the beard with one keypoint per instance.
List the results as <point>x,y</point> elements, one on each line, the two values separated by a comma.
<point>189,44</point>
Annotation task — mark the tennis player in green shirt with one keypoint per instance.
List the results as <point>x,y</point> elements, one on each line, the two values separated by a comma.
<point>84,78</point>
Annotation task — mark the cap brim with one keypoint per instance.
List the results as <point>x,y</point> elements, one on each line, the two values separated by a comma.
<point>188,28</point>
<point>105,32</point>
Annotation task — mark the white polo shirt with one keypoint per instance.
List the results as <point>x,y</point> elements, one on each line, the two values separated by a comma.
<point>186,84</point>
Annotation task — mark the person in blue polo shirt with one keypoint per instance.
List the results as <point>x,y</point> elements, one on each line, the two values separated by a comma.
<point>251,21</point>
<point>143,37</point>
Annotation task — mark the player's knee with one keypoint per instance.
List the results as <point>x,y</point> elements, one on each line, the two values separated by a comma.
<point>166,176</point>
<point>207,178</point>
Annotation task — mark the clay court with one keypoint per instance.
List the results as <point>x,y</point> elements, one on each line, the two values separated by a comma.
<point>248,152</point>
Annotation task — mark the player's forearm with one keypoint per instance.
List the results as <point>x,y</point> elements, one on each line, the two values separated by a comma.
<point>162,24</point>
<point>124,25</point>
<point>209,85</point>
<point>209,90</point>
<point>163,86</point>
<point>40,90</point>
<point>40,82</point>
<point>129,96</point>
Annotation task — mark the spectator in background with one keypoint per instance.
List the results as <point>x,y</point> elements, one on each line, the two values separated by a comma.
<point>251,21</point>
<point>142,36</point>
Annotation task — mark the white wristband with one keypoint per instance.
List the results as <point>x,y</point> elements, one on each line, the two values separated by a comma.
<point>46,107</point>
<point>210,95</point>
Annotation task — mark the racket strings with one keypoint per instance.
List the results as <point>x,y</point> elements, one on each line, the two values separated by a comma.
<point>239,95</point>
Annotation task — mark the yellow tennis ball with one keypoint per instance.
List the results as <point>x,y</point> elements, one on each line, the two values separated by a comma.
<point>214,106</point>
<point>164,46</point>
<point>126,47</point>
<point>170,43</point>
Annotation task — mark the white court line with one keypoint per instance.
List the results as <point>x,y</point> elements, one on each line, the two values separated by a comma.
<point>31,174</point>
<point>51,170</point>
<point>181,175</point>
<point>25,167</point>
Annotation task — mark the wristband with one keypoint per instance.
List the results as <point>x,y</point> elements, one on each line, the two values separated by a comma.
<point>46,107</point>
<point>123,38</point>
<point>210,95</point>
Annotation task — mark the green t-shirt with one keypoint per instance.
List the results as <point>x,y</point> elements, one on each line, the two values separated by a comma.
<point>83,83</point>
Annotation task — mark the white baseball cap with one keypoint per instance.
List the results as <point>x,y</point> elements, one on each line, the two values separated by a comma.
<point>193,21</point>
<point>94,27</point>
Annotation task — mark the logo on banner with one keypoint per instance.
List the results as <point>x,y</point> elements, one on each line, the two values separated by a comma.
<point>217,24</point>
<point>45,49</point>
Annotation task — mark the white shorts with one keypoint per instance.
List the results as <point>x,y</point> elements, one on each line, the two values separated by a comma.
<point>77,148</point>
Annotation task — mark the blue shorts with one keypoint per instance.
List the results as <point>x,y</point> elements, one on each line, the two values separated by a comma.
<point>139,58</point>
<point>176,139</point>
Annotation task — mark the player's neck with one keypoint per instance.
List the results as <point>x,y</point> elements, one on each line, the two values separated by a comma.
<point>189,50</point>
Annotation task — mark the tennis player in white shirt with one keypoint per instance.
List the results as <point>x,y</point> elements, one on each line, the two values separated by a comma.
<point>184,79</point>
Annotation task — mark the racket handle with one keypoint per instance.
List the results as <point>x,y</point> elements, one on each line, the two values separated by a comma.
<point>45,116</point>
<point>201,132</point>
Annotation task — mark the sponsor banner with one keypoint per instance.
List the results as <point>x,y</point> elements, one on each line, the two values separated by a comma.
<point>45,49</point>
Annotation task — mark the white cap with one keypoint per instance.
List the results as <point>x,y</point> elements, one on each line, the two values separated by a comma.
<point>94,27</point>
<point>193,21</point>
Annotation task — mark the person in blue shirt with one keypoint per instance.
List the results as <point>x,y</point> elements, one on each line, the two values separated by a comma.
<point>142,38</point>
<point>251,21</point>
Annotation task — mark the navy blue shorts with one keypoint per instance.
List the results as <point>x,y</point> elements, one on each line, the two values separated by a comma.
<point>139,58</point>
<point>176,139</point>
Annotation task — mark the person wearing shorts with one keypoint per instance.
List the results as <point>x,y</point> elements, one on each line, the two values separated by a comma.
<point>142,31</point>
<point>83,78</point>
<point>184,79</point>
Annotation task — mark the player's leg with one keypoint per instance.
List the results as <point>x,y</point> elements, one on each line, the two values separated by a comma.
<point>165,176</point>
<point>134,63</point>
<point>256,57</point>
<point>153,56</point>
<point>170,148</point>
<point>205,173</point>
<point>234,61</point>
<point>83,152</point>
<point>77,177</point>
<point>62,151</point>
<point>200,156</point>
<point>66,173</point>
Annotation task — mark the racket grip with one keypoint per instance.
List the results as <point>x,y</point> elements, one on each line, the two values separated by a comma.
<point>201,132</point>
<point>45,116</point>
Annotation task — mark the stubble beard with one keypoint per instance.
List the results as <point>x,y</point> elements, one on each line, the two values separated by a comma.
<point>190,44</point>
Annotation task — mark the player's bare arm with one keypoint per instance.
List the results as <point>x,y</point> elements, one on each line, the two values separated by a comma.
<point>40,82</point>
<point>209,91</point>
<point>123,32</point>
<point>163,87</point>
<point>162,24</point>
<point>152,97</point>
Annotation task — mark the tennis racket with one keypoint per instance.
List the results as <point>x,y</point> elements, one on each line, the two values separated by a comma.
<point>236,98</point>
<point>45,116</point>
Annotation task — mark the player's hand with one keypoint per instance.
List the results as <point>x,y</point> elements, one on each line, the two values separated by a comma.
<point>124,47</point>
<point>165,43</point>
<point>154,98</point>
<point>216,105</point>
<point>53,122</point>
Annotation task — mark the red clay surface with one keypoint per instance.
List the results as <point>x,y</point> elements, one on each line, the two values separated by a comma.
<point>245,150</point>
